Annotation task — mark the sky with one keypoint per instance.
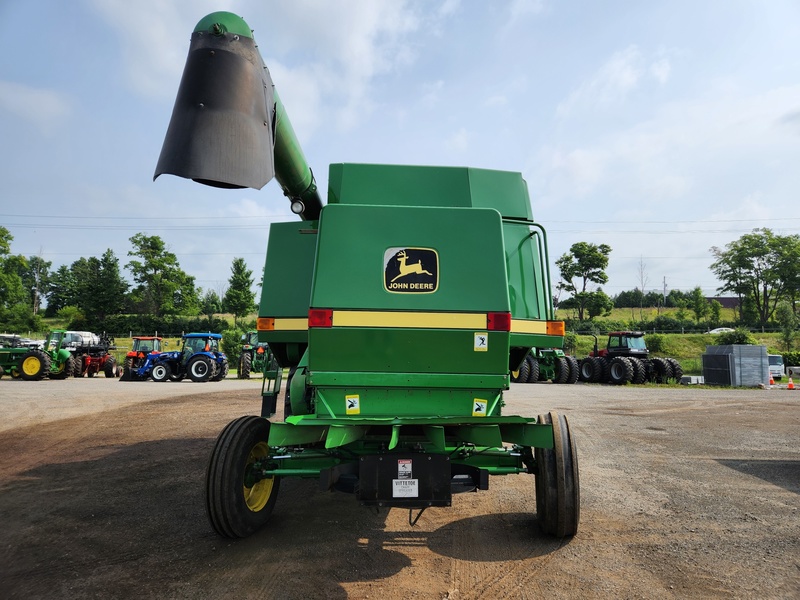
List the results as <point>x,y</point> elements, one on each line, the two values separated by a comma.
<point>660,128</point>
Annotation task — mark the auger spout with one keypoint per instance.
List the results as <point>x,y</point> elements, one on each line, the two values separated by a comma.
<point>229,128</point>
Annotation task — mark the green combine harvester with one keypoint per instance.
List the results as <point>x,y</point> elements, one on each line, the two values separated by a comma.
<point>400,309</point>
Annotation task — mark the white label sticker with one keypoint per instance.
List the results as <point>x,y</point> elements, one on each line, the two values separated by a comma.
<point>478,408</point>
<point>481,341</point>
<point>405,488</point>
<point>352,405</point>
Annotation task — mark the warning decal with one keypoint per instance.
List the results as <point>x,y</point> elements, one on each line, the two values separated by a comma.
<point>478,408</point>
<point>352,404</point>
<point>481,342</point>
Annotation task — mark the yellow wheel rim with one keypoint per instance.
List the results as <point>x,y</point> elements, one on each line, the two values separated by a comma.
<point>257,496</point>
<point>31,365</point>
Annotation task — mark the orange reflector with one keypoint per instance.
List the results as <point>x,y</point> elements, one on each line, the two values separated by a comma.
<point>260,350</point>
<point>265,324</point>
<point>320,317</point>
<point>498,321</point>
<point>556,328</point>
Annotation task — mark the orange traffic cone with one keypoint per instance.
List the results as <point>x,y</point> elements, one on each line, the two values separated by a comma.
<point>771,380</point>
<point>791,384</point>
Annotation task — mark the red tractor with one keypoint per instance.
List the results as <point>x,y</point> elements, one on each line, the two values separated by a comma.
<point>92,356</point>
<point>142,346</point>
<point>626,359</point>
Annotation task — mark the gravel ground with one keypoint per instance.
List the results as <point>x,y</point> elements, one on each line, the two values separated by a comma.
<point>685,493</point>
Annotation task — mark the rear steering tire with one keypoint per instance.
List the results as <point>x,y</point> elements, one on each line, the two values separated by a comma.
<point>558,498</point>
<point>239,500</point>
<point>521,375</point>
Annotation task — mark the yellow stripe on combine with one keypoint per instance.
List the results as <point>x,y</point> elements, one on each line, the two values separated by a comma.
<point>291,324</point>
<point>419,320</point>
<point>523,326</point>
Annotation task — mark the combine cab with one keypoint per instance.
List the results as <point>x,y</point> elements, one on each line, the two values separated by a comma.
<point>400,309</point>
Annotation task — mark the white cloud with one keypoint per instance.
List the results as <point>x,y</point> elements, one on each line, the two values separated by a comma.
<point>42,107</point>
<point>522,8</point>
<point>459,141</point>
<point>660,70</point>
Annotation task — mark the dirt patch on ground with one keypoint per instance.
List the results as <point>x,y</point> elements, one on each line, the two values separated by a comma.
<point>685,493</point>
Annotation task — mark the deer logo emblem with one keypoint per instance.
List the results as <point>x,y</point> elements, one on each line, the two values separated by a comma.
<point>406,269</point>
<point>411,270</point>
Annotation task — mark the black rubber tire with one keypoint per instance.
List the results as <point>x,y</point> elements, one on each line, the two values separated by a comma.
<point>677,370</point>
<point>574,369</point>
<point>221,372</point>
<point>127,369</point>
<point>639,371</point>
<point>200,368</point>
<point>65,370</point>
<point>620,370</point>
<point>237,447</point>
<point>110,367</point>
<point>534,365</point>
<point>245,365</point>
<point>161,372</point>
<point>33,366</point>
<point>558,497</point>
<point>588,370</point>
<point>523,373</point>
<point>287,402</point>
<point>662,370</point>
<point>562,370</point>
<point>78,365</point>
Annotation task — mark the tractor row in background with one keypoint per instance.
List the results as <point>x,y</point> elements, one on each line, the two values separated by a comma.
<point>33,363</point>
<point>199,358</point>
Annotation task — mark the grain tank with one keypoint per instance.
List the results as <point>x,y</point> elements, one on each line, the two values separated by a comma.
<point>398,309</point>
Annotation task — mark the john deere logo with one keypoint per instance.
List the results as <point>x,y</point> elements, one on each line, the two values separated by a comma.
<point>411,270</point>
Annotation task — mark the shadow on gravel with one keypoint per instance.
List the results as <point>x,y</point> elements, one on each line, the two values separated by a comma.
<point>783,473</point>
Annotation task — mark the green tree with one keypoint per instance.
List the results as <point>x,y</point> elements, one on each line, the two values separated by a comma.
<point>756,267</point>
<point>239,299</point>
<point>12,291</point>
<point>599,304</point>
<point>787,319</point>
<point>100,289</point>
<point>210,304</point>
<point>699,304</point>
<point>716,312</point>
<point>161,286</point>
<point>61,290</point>
<point>583,265</point>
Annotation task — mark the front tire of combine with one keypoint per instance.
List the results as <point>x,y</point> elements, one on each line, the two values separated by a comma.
<point>558,496</point>
<point>521,375</point>
<point>238,500</point>
<point>245,364</point>
<point>199,369</point>
<point>574,369</point>
<point>562,370</point>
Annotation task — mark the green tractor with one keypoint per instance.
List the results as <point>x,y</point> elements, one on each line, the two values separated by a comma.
<point>12,349</point>
<point>54,360</point>
<point>400,309</point>
<point>254,356</point>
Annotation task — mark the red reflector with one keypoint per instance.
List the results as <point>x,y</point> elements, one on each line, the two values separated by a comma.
<point>498,321</point>
<point>320,317</point>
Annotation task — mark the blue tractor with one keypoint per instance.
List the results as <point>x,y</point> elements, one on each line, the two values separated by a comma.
<point>199,358</point>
